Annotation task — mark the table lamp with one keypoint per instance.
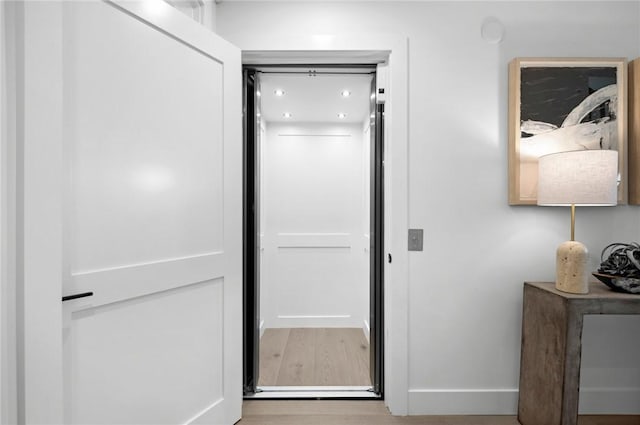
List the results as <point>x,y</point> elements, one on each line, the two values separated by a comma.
<point>576,178</point>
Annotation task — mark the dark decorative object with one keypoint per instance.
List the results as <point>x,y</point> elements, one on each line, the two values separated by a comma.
<point>621,268</point>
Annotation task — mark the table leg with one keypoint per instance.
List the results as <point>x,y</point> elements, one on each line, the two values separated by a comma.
<point>550,360</point>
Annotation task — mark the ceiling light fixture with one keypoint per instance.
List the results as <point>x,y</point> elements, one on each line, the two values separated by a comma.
<point>345,93</point>
<point>342,115</point>
<point>279,92</point>
<point>287,115</point>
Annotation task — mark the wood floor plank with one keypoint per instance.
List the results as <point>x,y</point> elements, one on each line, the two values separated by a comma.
<point>318,420</point>
<point>358,355</point>
<point>609,420</point>
<point>272,346</point>
<point>331,361</point>
<point>314,357</point>
<point>369,412</point>
<point>298,361</point>
<point>411,420</point>
<point>314,407</point>
<point>459,420</point>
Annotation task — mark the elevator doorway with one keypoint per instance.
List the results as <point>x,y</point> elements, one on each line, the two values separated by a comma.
<point>313,232</point>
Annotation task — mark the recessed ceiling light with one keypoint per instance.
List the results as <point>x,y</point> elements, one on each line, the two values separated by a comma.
<point>287,115</point>
<point>342,115</point>
<point>345,93</point>
<point>279,92</point>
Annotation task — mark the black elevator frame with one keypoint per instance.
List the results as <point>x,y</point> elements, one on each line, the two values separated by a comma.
<point>251,227</point>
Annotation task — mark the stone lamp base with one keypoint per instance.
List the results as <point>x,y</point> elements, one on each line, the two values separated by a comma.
<point>571,268</point>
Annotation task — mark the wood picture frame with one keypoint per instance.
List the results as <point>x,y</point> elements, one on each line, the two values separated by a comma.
<point>564,104</point>
<point>634,132</point>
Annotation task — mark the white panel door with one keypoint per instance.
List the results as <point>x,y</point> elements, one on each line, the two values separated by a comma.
<point>144,176</point>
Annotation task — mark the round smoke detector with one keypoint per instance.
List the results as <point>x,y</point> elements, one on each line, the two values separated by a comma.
<point>492,30</point>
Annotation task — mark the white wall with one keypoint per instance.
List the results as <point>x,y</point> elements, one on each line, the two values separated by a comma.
<point>8,393</point>
<point>3,280</point>
<point>466,286</point>
<point>313,192</point>
<point>3,264</point>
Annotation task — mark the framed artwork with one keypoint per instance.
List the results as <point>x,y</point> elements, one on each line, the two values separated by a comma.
<point>561,105</point>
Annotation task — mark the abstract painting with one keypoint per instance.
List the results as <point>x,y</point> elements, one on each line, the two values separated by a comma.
<point>561,105</point>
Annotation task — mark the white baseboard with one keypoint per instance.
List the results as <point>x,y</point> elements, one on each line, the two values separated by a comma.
<point>609,401</point>
<point>316,321</point>
<point>463,402</point>
<point>593,401</point>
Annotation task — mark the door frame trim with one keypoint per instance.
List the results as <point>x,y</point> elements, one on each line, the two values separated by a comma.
<point>39,171</point>
<point>8,352</point>
<point>373,48</point>
<point>250,228</point>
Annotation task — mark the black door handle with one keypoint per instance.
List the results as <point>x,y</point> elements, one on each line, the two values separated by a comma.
<point>76,296</point>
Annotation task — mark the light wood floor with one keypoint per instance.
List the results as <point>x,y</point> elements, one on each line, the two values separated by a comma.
<point>324,412</point>
<point>314,357</point>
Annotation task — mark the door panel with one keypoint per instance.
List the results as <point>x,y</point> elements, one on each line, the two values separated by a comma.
<point>121,353</point>
<point>145,122</point>
<point>121,283</point>
<point>151,206</point>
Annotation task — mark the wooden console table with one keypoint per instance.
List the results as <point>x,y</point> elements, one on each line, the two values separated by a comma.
<point>551,348</point>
